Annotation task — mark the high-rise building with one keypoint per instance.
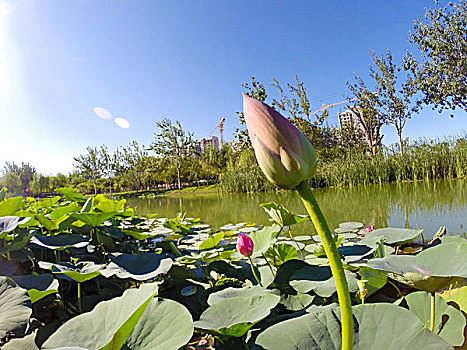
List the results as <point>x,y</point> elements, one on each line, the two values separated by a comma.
<point>350,118</point>
<point>203,144</point>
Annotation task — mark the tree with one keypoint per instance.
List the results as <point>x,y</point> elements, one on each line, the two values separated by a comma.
<point>92,165</point>
<point>366,110</point>
<point>12,182</point>
<point>394,97</point>
<point>25,171</point>
<point>258,91</point>
<point>130,160</point>
<point>173,143</point>
<point>40,184</point>
<point>441,71</point>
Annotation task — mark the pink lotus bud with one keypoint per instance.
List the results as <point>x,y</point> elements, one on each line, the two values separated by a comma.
<point>245,245</point>
<point>369,229</point>
<point>284,154</point>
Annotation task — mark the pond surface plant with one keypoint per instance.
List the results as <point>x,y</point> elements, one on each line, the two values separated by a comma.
<point>92,274</point>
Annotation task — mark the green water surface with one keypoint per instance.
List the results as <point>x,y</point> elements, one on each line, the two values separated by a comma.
<point>430,204</point>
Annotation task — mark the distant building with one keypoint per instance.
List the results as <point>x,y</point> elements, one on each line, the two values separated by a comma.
<point>350,119</point>
<point>203,144</point>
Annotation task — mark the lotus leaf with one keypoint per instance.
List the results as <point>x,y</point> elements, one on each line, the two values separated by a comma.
<point>108,325</point>
<point>70,194</point>
<point>60,242</point>
<point>15,306</point>
<point>263,239</point>
<point>47,202</point>
<point>107,205</point>
<point>18,243</point>
<point>235,316</point>
<point>281,215</point>
<point>279,253</point>
<point>57,213</point>
<point>375,279</point>
<point>351,225</point>
<point>319,279</point>
<point>81,272</point>
<point>431,270</point>
<point>39,286</point>
<point>9,206</point>
<point>93,219</point>
<point>457,296</point>
<point>390,235</point>
<point>141,267</point>
<point>376,326</point>
<point>238,292</point>
<point>9,223</point>
<point>212,241</point>
<point>449,322</point>
<point>26,342</point>
<point>165,324</point>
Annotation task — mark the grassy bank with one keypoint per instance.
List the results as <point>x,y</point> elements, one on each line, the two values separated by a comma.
<point>423,160</point>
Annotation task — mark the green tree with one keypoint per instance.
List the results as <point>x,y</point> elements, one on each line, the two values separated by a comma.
<point>395,97</point>
<point>12,182</point>
<point>441,71</point>
<point>173,143</point>
<point>40,184</point>
<point>92,164</point>
<point>366,109</point>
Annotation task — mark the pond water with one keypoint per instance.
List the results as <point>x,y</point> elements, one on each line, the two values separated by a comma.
<point>430,204</point>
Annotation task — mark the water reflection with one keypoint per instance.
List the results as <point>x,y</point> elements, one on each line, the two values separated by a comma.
<point>429,204</point>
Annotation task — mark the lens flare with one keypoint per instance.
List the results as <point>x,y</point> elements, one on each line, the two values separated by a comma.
<point>122,122</point>
<point>102,113</point>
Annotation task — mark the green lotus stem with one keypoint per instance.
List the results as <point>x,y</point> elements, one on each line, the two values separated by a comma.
<point>293,240</point>
<point>270,267</point>
<point>335,262</point>
<point>396,288</point>
<point>254,273</point>
<point>79,298</point>
<point>8,255</point>
<point>432,312</point>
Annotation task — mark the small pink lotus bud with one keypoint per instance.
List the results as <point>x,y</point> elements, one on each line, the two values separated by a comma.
<point>369,229</point>
<point>284,154</point>
<point>245,245</point>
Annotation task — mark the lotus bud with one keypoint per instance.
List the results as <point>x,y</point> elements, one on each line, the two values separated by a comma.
<point>245,245</point>
<point>284,154</point>
<point>369,229</point>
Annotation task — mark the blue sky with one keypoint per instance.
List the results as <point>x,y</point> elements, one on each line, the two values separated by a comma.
<point>184,60</point>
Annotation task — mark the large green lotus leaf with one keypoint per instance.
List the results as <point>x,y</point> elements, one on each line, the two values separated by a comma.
<point>9,206</point>
<point>457,296</point>
<point>281,215</point>
<point>390,235</point>
<point>296,302</point>
<point>355,252</point>
<point>238,292</point>
<point>235,316</point>
<point>39,286</point>
<point>47,202</point>
<point>63,210</point>
<point>9,223</point>
<point>431,270</point>
<point>212,241</point>
<point>449,322</point>
<point>49,224</point>
<point>376,326</point>
<point>165,324</point>
<point>319,279</point>
<point>81,272</point>
<point>70,194</point>
<point>375,279</point>
<point>141,267</point>
<point>93,219</point>
<point>350,225</point>
<point>263,239</point>
<point>279,253</point>
<point>107,205</point>
<point>108,325</point>
<point>60,242</point>
<point>15,308</point>
<point>18,243</point>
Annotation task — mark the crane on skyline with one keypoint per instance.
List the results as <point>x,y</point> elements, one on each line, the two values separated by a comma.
<point>221,130</point>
